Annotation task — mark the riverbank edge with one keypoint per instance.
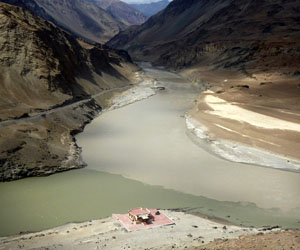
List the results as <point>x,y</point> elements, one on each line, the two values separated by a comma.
<point>237,152</point>
<point>133,94</point>
<point>82,114</point>
<point>189,230</point>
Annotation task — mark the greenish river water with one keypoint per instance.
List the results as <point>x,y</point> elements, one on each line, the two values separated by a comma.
<point>147,143</point>
<point>35,204</point>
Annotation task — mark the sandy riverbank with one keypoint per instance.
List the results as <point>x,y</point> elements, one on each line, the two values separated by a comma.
<point>253,120</point>
<point>238,152</point>
<point>189,230</point>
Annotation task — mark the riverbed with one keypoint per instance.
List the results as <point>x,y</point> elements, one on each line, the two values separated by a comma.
<point>142,155</point>
<point>148,141</point>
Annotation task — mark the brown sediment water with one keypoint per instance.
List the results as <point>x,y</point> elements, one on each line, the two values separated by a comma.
<point>147,143</point>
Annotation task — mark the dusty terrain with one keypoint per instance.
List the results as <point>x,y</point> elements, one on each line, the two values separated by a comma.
<point>275,241</point>
<point>188,231</point>
<point>261,111</point>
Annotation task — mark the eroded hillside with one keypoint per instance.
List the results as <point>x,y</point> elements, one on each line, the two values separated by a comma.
<point>43,68</point>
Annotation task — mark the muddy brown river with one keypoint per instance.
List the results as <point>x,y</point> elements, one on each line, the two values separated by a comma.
<point>143,155</point>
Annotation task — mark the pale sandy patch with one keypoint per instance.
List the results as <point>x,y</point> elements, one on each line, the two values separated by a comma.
<point>227,110</point>
<point>232,131</point>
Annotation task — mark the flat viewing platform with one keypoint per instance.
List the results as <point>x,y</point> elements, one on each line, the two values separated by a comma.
<point>158,219</point>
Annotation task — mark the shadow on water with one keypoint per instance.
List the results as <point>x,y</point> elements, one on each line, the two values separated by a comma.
<point>35,204</point>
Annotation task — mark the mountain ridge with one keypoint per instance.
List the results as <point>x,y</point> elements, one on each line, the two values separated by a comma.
<point>122,11</point>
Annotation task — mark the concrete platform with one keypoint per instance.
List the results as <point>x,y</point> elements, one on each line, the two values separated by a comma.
<point>159,220</point>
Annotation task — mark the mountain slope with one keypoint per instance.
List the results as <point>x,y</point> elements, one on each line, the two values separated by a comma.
<point>80,17</point>
<point>225,32</point>
<point>122,12</point>
<point>32,6</point>
<point>83,18</point>
<point>47,81</point>
<point>150,9</point>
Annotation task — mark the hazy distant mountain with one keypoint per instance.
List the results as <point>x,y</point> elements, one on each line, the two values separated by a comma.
<point>226,33</point>
<point>83,18</point>
<point>150,9</point>
<point>94,20</point>
<point>121,11</point>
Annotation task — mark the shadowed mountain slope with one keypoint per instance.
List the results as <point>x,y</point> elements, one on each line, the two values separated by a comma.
<point>122,12</point>
<point>226,33</point>
<point>83,18</point>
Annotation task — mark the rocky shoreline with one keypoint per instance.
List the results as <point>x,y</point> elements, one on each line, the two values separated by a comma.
<point>45,144</point>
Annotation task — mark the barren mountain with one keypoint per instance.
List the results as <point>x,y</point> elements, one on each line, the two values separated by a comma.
<point>121,11</point>
<point>83,18</point>
<point>150,9</point>
<point>42,68</point>
<point>226,33</point>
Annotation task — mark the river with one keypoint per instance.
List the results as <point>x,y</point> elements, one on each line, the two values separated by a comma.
<point>143,155</point>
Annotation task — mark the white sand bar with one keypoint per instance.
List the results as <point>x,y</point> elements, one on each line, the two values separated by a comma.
<point>228,110</point>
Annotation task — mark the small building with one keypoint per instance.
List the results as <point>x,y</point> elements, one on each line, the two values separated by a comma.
<point>143,218</point>
<point>140,215</point>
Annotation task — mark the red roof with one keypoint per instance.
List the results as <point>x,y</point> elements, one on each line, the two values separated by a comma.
<point>138,211</point>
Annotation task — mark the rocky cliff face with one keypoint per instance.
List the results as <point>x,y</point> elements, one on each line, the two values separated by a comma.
<point>225,33</point>
<point>41,68</point>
